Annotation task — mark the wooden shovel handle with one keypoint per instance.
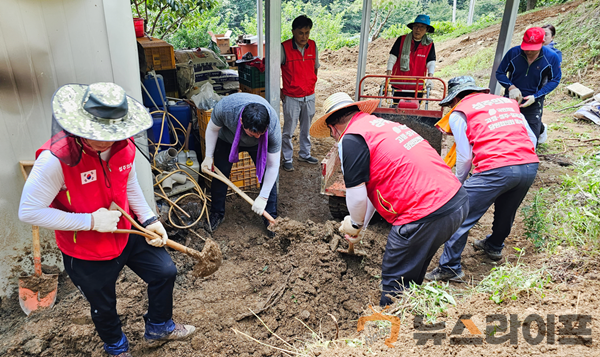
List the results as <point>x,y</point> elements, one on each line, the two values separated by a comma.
<point>219,176</point>
<point>37,256</point>
<point>149,234</point>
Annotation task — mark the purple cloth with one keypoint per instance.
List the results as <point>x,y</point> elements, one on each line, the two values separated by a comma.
<point>261,156</point>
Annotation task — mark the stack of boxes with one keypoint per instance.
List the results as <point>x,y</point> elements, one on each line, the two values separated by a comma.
<point>160,57</point>
<point>243,172</point>
<point>252,80</point>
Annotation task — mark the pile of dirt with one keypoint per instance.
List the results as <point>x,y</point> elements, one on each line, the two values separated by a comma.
<point>295,278</point>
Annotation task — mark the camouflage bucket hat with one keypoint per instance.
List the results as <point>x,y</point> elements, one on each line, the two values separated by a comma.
<point>99,111</point>
<point>460,84</point>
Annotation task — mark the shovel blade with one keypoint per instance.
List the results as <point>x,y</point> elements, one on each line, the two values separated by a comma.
<point>37,292</point>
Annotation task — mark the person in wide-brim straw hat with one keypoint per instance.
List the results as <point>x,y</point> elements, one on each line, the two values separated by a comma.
<point>388,167</point>
<point>491,136</point>
<point>335,102</point>
<point>77,175</point>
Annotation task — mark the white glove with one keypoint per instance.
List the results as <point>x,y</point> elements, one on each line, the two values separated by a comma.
<point>104,220</point>
<point>515,94</point>
<point>207,164</point>
<point>157,228</point>
<point>429,84</point>
<point>259,205</point>
<point>347,228</point>
<point>529,100</point>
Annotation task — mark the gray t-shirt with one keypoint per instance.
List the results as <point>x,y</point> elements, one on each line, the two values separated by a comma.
<point>226,115</point>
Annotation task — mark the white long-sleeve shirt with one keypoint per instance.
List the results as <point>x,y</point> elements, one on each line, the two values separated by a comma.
<point>45,182</point>
<point>464,149</point>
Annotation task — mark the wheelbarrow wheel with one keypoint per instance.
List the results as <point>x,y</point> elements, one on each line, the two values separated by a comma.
<point>337,207</point>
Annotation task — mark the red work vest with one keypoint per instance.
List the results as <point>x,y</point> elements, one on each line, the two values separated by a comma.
<point>87,191</point>
<point>496,131</point>
<point>417,65</point>
<point>298,72</point>
<point>408,179</point>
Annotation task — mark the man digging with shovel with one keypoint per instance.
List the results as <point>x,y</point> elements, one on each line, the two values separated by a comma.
<point>243,122</point>
<point>77,174</point>
<point>389,166</point>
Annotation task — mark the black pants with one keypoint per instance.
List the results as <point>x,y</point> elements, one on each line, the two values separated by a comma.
<point>533,115</point>
<point>218,189</point>
<point>97,282</point>
<point>410,248</point>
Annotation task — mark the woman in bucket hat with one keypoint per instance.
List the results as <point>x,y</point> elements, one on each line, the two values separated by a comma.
<point>493,137</point>
<point>390,168</point>
<point>77,174</point>
<point>412,54</point>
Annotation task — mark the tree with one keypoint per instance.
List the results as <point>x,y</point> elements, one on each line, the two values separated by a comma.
<point>381,11</point>
<point>165,16</point>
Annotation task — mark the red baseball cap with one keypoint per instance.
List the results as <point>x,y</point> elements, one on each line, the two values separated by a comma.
<point>533,39</point>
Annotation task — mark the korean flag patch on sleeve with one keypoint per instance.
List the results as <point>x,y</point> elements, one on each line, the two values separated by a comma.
<point>88,176</point>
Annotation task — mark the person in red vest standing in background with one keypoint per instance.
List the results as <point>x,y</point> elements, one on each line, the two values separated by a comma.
<point>299,67</point>
<point>413,54</point>
<point>493,136</point>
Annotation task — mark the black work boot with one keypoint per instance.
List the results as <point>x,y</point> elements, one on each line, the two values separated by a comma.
<point>214,220</point>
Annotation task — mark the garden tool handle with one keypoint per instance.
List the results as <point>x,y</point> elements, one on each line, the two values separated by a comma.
<point>37,256</point>
<point>219,176</point>
<point>170,243</point>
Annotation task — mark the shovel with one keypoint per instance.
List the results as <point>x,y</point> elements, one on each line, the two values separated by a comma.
<point>208,261</point>
<point>351,251</point>
<point>219,176</point>
<point>37,291</point>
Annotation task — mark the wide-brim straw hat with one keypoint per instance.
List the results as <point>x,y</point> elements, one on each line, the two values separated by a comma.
<point>99,111</point>
<point>460,84</point>
<point>334,103</point>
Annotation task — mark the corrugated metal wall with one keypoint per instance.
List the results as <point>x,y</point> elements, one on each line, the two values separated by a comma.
<point>43,45</point>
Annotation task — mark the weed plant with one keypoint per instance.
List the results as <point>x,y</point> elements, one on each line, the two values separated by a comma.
<point>509,280</point>
<point>568,215</point>
<point>429,300</point>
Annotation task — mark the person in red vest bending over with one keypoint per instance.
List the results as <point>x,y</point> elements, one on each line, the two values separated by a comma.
<point>390,168</point>
<point>78,173</point>
<point>493,136</point>
<point>413,54</point>
<point>299,67</point>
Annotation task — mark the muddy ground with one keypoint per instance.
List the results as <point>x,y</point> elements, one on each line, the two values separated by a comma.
<point>296,282</point>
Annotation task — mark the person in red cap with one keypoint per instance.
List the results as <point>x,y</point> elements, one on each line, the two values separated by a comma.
<point>528,73</point>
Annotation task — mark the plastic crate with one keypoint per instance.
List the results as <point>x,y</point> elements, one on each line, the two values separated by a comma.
<point>251,77</point>
<point>159,54</point>
<point>170,79</point>
<point>243,172</point>
<point>257,91</point>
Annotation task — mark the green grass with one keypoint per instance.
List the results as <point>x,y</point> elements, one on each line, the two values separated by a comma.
<point>482,60</point>
<point>509,281</point>
<point>430,300</point>
<point>568,215</point>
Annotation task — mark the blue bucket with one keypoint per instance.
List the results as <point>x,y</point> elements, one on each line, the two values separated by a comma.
<point>155,92</point>
<point>183,113</point>
<point>154,131</point>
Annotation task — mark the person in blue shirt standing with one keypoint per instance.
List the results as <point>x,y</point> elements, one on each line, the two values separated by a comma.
<point>528,73</point>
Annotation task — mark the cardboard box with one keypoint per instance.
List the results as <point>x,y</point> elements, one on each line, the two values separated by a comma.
<point>222,41</point>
